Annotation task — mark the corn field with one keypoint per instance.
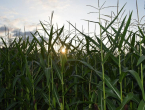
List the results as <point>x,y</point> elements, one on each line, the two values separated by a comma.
<point>89,74</point>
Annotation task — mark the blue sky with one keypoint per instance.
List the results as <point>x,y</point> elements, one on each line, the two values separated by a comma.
<point>15,14</point>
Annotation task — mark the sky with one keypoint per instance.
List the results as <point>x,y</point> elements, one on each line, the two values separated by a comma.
<point>17,14</point>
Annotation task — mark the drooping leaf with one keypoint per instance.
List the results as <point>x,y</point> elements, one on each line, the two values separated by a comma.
<point>136,76</point>
<point>141,59</point>
<point>11,105</point>
<point>125,101</point>
<point>141,105</point>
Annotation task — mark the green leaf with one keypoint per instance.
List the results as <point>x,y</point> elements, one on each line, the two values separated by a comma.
<point>110,93</point>
<point>118,33</point>
<point>15,80</point>
<point>132,47</point>
<point>45,97</point>
<point>87,45</point>
<point>142,35</point>
<point>105,29</point>
<point>136,76</point>
<point>125,100</point>
<point>70,86</point>
<point>56,95</point>
<point>125,31</point>
<point>100,100</point>
<point>81,102</point>
<point>31,46</point>
<point>89,38</point>
<point>50,39</point>
<point>136,98</point>
<point>47,74</point>
<point>38,77</point>
<point>110,104</point>
<point>132,42</point>
<point>27,69</point>
<point>114,59</point>
<point>141,105</point>
<point>67,107</point>
<point>36,38</point>
<point>19,49</point>
<point>93,96</point>
<point>10,106</point>
<point>141,59</point>
<point>57,69</point>
<point>78,76</point>
<point>58,35</point>
<point>50,36</point>
<point>103,46</point>
<point>2,92</point>
<point>106,57</point>
<point>123,74</point>
<point>4,42</point>
<point>107,79</point>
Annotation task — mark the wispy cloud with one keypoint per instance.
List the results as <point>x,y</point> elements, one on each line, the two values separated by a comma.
<point>49,4</point>
<point>36,10</point>
<point>8,10</point>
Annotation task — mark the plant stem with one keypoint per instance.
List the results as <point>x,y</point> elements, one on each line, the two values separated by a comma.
<point>121,81</point>
<point>102,64</point>
<point>62,59</point>
<point>62,83</point>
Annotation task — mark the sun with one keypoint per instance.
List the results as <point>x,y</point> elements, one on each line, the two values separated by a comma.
<point>63,50</point>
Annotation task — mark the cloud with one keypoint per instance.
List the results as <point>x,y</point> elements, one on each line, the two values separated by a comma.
<point>40,10</point>
<point>15,31</point>
<point>28,34</point>
<point>49,4</point>
<point>13,23</point>
<point>18,32</point>
<point>7,11</point>
<point>2,29</point>
<point>4,19</point>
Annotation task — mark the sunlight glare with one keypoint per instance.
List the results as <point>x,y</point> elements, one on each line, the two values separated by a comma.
<point>63,50</point>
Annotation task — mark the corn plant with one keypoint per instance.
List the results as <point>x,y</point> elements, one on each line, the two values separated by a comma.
<point>88,74</point>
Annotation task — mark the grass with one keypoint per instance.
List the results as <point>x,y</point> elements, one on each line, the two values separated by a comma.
<point>88,75</point>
